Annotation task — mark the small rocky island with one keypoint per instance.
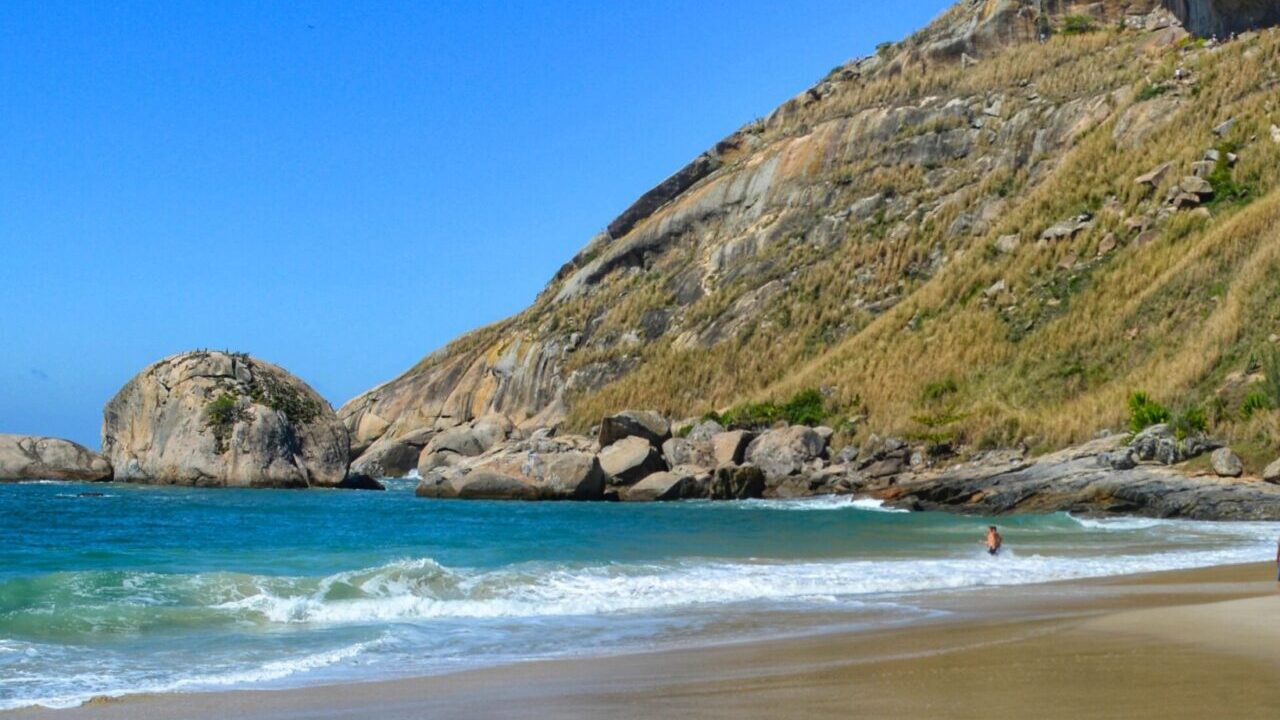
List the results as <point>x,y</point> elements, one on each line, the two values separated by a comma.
<point>221,419</point>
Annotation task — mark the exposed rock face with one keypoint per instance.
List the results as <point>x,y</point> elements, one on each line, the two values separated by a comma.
<point>679,483</point>
<point>684,451</point>
<point>635,423</point>
<point>534,469</point>
<point>214,419</point>
<point>737,483</point>
<point>786,451</point>
<point>1222,18</point>
<point>1226,463</point>
<point>629,460</point>
<point>1074,480</point>
<point>28,457</point>
<point>1272,473</point>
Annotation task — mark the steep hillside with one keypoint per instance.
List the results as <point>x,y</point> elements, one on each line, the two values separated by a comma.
<point>948,237</point>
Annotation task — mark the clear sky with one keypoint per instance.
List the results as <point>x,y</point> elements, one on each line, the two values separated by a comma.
<point>342,187</point>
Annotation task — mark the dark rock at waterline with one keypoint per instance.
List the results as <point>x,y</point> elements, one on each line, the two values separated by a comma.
<point>360,481</point>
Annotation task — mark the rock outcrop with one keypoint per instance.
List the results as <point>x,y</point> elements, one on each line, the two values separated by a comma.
<point>1222,18</point>
<point>539,468</point>
<point>29,457</point>
<point>1074,480</point>
<point>217,419</point>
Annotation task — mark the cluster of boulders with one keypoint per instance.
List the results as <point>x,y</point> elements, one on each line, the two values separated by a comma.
<point>1160,445</point>
<point>634,456</point>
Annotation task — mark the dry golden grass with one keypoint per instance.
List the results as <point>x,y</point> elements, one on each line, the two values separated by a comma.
<point>1172,317</point>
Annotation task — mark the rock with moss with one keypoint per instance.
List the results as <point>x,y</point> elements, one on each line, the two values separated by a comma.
<point>220,419</point>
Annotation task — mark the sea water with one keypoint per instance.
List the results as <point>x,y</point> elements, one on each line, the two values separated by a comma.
<point>117,589</point>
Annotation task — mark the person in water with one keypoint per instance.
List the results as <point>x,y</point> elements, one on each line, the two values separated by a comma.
<point>994,541</point>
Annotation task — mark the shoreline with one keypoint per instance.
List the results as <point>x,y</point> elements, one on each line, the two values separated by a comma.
<point>1130,645</point>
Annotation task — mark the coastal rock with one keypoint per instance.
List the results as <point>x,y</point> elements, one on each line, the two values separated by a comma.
<point>392,456</point>
<point>684,451</point>
<point>470,440</point>
<point>635,423</point>
<point>217,419</point>
<point>28,457</point>
<point>627,461</point>
<point>680,483</point>
<point>705,430</point>
<point>1157,443</point>
<point>739,482</point>
<point>360,481</point>
<point>491,485</point>
<point>1226,463</point>
<point>730,448</point>
<point>1076,481</point>
<point>785,451</point>
<point>1272,473</point>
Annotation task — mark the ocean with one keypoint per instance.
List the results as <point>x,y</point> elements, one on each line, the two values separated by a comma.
<point>115,589</point>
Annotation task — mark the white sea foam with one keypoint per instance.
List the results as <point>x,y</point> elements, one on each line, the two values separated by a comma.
<point>423,589</point>
<point>72,690</point>
<point>821,502</point>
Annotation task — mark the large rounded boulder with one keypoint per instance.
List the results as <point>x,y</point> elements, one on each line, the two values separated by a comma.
<point>28,457</point>
<point>217,419</point>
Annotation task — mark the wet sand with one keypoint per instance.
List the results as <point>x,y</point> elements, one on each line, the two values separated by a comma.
<point>1188,644</point>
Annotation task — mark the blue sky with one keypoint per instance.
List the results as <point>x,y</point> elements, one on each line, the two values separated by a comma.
<point>342,187</point>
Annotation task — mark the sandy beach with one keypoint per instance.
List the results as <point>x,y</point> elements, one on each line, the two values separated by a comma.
<point>1168,645</point>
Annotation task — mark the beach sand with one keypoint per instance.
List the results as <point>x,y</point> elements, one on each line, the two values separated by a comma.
<point>1188,644</point>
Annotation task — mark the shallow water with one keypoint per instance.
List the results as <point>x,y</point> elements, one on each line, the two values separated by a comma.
<point>160,589</point>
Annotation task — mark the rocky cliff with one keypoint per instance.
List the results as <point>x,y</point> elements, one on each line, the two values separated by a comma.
<point>1034,206</point>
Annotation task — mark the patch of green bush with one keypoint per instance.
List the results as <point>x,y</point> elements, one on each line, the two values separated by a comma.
<point>938,390</point>
<point>1191,420</point>
<point>221,415</point>
<point>1152,91</point>
<point>1255,402</point>
<point>1270,366</point>
<point>1077,25</point>
<point>1145,412</point>
<point>807,407</point>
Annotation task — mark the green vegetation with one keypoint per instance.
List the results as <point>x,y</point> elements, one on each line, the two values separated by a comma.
<point>279,396</point>
<point>1223,179</point>
<point>221,415</point>
<point>1151,91</point>
<point>938,390</point>
<point>1145,412</point>
<point>1270,367</point>
<point>1190,421</point>
<point>1077,25</point>
<point>807,407</point>
<point>1255,402</point>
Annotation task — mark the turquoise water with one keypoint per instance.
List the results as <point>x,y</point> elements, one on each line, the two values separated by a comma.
<point>148,589</point>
